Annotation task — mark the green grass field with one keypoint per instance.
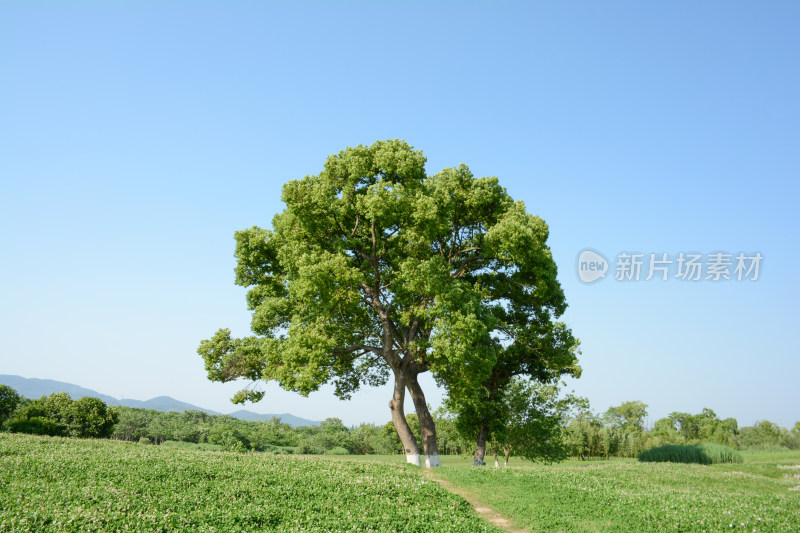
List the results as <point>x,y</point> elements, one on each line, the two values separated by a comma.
<point>630,496</point>
<point>627,496</point>
<point>55,484</point>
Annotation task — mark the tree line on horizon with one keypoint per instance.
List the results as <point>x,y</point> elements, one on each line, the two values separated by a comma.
<point>56,415</point>
<point>621,432</point>
<point>579,433</point>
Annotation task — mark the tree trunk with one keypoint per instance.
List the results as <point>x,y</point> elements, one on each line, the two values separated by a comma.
<point>480,446</point>
<point>508,454</point>
<point>496,462</point>
<point>427,427</point>
<point>399,419</point>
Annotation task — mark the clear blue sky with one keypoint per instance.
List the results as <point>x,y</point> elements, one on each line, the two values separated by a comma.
<point>136,137</point>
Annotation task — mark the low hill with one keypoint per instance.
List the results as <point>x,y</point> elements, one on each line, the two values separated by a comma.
<point>36,388</point>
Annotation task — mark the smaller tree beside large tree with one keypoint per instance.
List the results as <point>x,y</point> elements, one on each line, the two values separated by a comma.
<point>537,414</point>
<point>538,351</point>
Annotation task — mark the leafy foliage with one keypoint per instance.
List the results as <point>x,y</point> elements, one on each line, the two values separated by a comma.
<point>529,420</point>
<point>225,432</point>
<point>612,435</point>
<point>628,416</point>
<point>535,427</point>
<point>58,415</point>
<point>338,450</point>
<point>9,399</point>
<point>704,426</point>
<point>36,425</point>
<point>765,435</point>
<point>375,268</point>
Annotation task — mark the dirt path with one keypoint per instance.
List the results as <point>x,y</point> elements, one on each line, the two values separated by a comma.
<point>483,510</point>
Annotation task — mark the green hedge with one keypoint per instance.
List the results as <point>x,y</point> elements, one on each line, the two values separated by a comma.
<point>337,450</point>
<point>704,454</point>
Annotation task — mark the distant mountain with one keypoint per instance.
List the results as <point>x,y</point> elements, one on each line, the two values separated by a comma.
<point>286,418</point>
<point>36,388</point>
<point>163,403</point>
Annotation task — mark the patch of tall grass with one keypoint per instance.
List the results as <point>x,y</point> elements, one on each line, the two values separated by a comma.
<point>704,454</point>
<point>337,450</point>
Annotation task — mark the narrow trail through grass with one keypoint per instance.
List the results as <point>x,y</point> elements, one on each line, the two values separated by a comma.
<point>483,510</point>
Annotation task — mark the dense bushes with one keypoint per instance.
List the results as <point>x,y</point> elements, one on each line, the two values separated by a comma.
<point>36,425</point>
<point>704,454</point>
<point>59,415</point>
<point>273,436</point>
<point>9,400</point>
<point>337,450</point>
<point>620,432</point>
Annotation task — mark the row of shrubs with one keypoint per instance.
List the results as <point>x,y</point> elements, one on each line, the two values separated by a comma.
<point>704,454</point>
<point>275,450</point>
<point>56,415</point>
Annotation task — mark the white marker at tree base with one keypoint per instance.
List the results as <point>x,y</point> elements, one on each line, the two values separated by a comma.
<point>413,458</point>
<point>432,461</point>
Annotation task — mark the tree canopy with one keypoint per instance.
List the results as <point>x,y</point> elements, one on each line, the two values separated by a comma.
<point>534,416</point>
<point>629,416</point>
<point>377,270</point>
<point>9,399</point>
<point>59,415</point>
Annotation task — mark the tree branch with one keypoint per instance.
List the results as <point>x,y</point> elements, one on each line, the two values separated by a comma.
<point>357,347</point>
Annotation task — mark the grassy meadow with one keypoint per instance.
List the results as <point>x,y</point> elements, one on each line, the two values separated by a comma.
<point>58,484</point>
<point>626,495</point>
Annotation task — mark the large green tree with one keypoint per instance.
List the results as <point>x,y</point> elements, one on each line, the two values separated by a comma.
<point>377,271</point>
